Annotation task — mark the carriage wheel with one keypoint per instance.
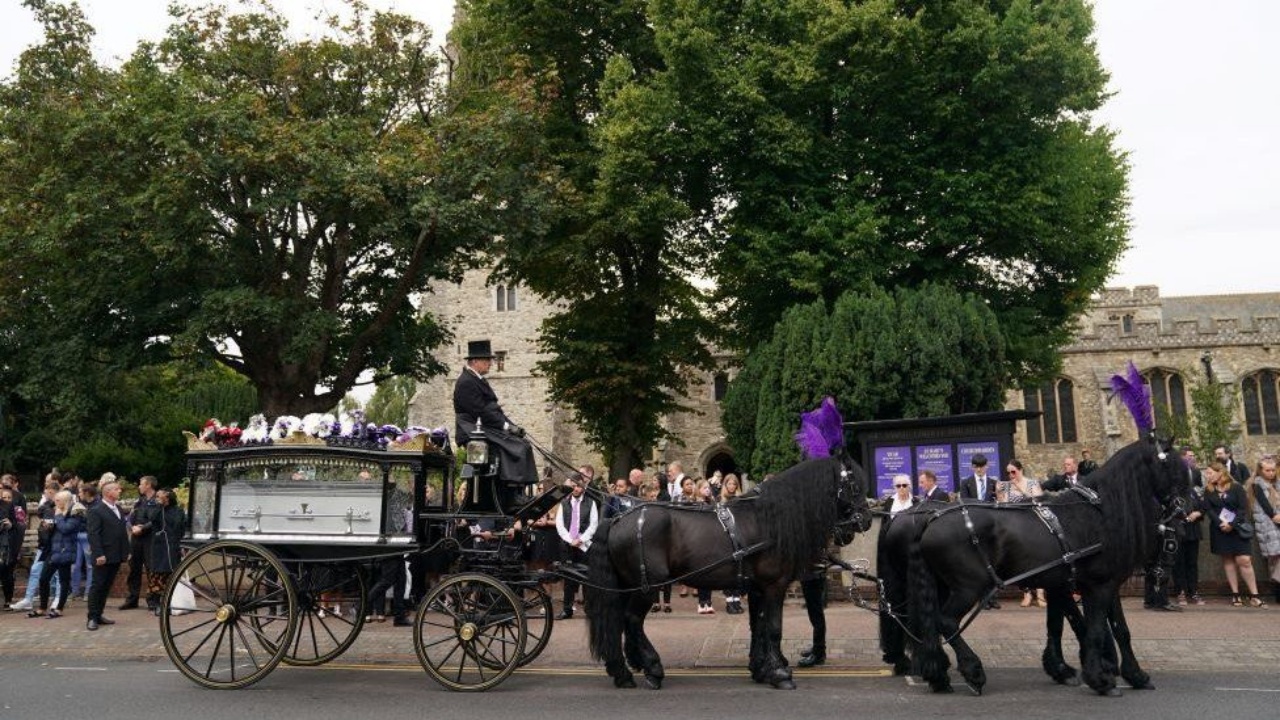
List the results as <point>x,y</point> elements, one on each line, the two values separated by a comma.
<point>538,618</point>
<point>332,600</point>
<point>241,621</point>
<point>470,632</point>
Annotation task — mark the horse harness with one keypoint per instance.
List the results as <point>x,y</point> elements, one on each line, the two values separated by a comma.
<point>1052,523</point>
<point>741,551</point>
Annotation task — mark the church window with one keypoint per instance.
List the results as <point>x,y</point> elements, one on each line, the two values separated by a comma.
<point>1055,400</point>
<point>719,386</point>
<point>1261,394</point>
<point>1168,393</point>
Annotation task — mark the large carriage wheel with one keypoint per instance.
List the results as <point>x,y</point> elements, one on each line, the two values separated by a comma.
<point>538,618</point>
<point>470,632</point>
<point>332,599</point>
<point>241,621</point>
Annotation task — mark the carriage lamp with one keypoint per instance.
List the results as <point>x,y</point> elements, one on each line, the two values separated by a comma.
<point>478,452</point>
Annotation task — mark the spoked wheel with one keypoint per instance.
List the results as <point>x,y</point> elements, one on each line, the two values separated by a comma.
<point>241,621</point>
<point>470,632</point>
<point>332,599</point>
<point>538,618</point>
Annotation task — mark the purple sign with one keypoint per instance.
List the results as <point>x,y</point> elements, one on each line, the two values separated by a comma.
<point>890,461</point>
<point>938,459</point>
<point>991,449</point>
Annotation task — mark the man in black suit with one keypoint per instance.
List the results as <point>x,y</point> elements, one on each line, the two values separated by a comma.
<point>1069,476</point>
<point>929,490</point>
<point>979,486</point>
<point>108,547</point>
<point>669,487</point>
<point>1087,464</point>
<point>1235,468</point>
<point>475,401</point>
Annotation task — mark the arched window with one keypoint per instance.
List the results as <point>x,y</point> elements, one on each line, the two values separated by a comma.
<point>1261,392</point>
<point>1056,402</point>
<point>1168,392</point>
<point>504,298</point>
<point>719,386</point>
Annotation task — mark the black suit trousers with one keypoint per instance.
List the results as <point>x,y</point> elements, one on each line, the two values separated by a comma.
<point>104,576</point>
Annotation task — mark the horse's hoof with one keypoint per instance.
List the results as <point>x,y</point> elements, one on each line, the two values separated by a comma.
<point>625,683</point>
<point>785,685</point>
<point>1070,681</point>
<point>942,689</point>
<point>1110,692</point>
<point>653,683</point>
<point>976,690</point>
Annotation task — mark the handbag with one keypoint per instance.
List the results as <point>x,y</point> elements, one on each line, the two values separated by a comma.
<point>1244,529</point>
<point>183,599</point>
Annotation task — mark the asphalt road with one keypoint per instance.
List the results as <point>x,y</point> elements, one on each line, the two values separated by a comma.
<point>66,686</point>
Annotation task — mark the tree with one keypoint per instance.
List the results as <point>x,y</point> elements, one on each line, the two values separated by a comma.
<point>881,355</point>
<point>621,259</point>
<point>232,193</point>
<point>894,143</point>
<point>390,401</point>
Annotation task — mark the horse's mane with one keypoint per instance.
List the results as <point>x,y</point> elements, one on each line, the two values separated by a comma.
<point>797,510</point>
<point>1130,511</point>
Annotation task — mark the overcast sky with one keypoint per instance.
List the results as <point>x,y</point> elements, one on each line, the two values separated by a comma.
<point>1196,107</point>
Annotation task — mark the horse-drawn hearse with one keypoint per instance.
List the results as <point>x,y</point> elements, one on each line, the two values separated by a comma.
<point>284,533</point>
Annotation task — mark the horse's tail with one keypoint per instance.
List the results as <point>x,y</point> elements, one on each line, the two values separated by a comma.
<point>931,661</point>
<point>604,604</point>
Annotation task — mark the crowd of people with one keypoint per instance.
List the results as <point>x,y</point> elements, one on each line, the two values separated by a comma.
<point>83,538</point>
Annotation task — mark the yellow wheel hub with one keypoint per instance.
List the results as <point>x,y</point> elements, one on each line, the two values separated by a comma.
<point>225,614</point>
<point>467,631</point>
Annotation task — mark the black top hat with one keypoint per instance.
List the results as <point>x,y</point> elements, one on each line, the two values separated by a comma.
<point>478,350</point>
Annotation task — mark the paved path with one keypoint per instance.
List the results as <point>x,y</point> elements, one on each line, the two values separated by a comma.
<point>1216,636</point>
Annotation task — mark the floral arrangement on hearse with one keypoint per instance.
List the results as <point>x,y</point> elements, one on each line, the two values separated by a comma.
<point>351,430</point>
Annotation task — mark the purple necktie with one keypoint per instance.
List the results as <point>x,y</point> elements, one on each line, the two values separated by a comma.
<point>575,518</point>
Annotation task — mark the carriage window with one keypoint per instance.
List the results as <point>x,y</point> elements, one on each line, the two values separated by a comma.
<point>434,489</point>
<point>1261,394</point>
<point>1168,394</point>
<point>203,499</point>
<point>1055,400</point>
<point>399,519</point>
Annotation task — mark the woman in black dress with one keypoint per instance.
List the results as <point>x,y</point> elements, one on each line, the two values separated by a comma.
<point>1228,506</point>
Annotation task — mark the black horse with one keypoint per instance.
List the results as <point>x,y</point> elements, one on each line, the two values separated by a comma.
<point>778,533</point>
<point>1090,541</point>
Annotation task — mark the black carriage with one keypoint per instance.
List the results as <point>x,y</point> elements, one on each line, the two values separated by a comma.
<point>282,538</point>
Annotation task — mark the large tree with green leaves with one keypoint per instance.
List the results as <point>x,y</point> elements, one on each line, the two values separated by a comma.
<point>894,142</point>
<point>623,255</point>
<point>232,192</point>
<point>915,352</point>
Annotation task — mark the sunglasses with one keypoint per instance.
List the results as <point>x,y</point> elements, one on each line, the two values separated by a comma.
<point>901,486</point>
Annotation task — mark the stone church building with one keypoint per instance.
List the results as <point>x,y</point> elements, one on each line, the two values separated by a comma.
<point>1177,342</point>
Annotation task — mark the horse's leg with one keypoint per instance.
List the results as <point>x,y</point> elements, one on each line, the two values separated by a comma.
<point>1097,605</point>
<point>893,642</point>
<point>631,637</point>
<point>1055,665</point>
<point>1137,678</point>
<point>967,661</point>
<point>755,657</point>
<point>775,669</point>
<point>640,651</point>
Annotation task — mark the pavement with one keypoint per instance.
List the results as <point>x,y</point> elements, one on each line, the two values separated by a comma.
<point>1215,637</point>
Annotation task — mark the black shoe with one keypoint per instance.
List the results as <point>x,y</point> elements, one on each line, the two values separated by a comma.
<point>1167,607</point>
<point>564,615</point>
<point>106,621</point>
<point>130,604</point>
<point>91,625</point>
<point>813,656</point>
<point>402,621</point>
<point>993,605</point>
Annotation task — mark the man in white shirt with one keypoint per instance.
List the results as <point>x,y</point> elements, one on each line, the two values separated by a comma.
<point>576,523</point>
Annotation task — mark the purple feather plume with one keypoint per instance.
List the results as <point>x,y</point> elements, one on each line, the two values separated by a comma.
<point>1135,393</point>
<point>821,430</point>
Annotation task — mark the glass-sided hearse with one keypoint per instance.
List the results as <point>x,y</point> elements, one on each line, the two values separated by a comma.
<point>284,537</point>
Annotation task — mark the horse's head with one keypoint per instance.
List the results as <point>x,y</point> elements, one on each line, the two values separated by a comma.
<point>852,511</point>
<point>1170,480</point>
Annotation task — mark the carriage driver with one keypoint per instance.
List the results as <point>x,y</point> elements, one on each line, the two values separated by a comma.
<point>473,399</point>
